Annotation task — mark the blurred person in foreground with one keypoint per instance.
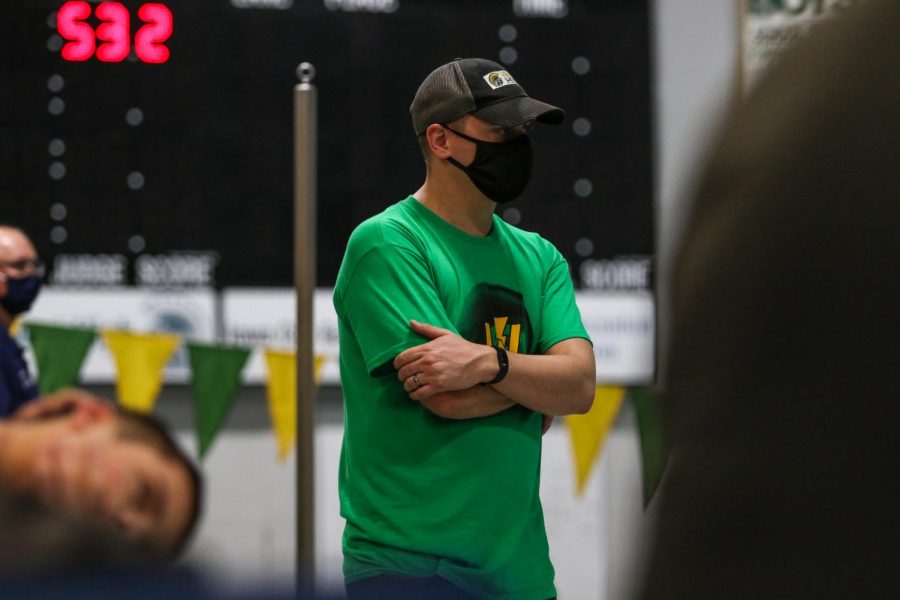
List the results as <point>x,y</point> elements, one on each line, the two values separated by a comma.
<point>460,339</point>
<point>783,390</point>
<point>103,467</point>
<point>20,280</point>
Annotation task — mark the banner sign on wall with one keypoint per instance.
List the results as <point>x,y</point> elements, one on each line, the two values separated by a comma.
<point>622,328</point>
<point>266,317</point>
<point>768,27</point>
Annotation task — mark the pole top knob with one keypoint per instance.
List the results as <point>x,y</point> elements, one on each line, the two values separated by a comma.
<point>306,72</point>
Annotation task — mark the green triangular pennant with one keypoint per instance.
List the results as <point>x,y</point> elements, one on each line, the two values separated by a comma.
<point>59,352</point>
<point>648,404</point>
<point>216,376</point>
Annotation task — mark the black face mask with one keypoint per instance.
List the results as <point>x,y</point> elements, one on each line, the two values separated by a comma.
<point>20,294</point>
<point>501,170</point>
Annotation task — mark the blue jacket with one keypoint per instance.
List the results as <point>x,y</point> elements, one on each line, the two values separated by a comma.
<point>17,386</point>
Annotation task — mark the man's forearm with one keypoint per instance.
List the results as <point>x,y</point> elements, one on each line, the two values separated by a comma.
<point>477,401</point>
<point>559,382</point>
<point>555,383</point>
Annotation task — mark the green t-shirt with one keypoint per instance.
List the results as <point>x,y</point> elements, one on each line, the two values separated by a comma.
<point>424,495</point>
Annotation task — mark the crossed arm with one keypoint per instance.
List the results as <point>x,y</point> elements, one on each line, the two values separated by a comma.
<point>445,374</point>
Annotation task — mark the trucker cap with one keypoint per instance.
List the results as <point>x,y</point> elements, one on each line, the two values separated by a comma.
<point>479,87</point>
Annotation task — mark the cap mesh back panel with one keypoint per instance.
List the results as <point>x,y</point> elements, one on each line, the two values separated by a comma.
<point>443,96</point>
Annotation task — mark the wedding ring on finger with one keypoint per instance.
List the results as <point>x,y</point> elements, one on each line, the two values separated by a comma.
<point>416,380</point>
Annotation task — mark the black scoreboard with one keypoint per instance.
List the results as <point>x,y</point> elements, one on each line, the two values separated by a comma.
<point>137,129</point>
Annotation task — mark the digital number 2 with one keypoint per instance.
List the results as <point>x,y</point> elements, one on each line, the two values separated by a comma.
<point>148,41</point>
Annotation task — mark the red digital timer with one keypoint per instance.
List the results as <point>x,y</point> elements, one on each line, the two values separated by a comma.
<point>114,32</point>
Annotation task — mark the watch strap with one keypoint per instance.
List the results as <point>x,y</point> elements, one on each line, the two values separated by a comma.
<point>503,361</point>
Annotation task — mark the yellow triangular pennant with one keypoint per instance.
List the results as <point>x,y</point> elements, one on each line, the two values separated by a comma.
<point>140,359</point>
<point>589,431</point>
<point>282,388</point>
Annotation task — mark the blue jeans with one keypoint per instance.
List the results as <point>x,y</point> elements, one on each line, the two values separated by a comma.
<point>401,587</point>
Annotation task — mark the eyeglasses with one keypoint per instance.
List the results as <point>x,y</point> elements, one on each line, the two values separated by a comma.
<point>527,125</point>
<point>506,133</point>
<point>31,265</point>
<point>516,130</point>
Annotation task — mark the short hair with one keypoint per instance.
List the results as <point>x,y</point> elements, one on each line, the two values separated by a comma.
<point>423,146</point>
<point>151,430</point>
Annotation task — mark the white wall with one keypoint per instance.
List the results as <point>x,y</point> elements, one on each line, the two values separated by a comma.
<point>696,55</point>
<point>696,49</point>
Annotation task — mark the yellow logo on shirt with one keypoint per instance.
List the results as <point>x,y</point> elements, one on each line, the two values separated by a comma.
<point>503,334</point>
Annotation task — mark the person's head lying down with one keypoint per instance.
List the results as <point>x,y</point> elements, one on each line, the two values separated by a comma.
<point>83,456</point>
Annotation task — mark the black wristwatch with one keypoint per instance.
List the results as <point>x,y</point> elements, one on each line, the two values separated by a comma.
<point>503,360</point>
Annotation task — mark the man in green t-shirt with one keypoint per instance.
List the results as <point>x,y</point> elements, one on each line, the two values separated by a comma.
<point>459,341</point>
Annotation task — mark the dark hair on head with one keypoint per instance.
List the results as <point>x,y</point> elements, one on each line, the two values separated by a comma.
<point>422,140</point>
<point>150,429</point>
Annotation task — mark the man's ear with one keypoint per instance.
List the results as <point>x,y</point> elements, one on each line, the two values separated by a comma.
<point>437,140</point>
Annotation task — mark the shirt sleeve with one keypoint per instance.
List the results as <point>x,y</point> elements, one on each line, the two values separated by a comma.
<point>390,285</point>
<point>560,317</point>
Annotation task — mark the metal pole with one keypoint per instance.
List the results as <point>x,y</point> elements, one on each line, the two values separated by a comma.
<point>305,118</point>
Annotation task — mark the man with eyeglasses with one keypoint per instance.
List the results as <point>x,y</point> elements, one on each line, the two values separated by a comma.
<point>459,341</point>
<point>20,280</point>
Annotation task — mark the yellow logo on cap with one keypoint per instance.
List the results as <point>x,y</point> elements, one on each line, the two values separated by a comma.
<point>497,79</point>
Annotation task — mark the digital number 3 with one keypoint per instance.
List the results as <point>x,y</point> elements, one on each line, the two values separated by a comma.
<point>113,32</point>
